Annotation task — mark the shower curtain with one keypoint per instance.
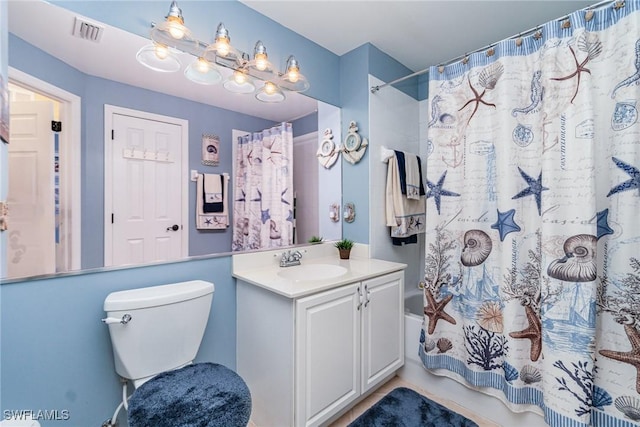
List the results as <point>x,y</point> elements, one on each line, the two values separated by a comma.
<point>532,255</point>
<point>263,195</point>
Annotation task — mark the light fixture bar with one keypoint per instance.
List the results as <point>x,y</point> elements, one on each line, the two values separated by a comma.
<point>173,34</point>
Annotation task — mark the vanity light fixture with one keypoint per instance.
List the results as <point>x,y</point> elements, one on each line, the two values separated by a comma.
<point>270,93</point>
<point>172,36</point>
<point>239,82</point>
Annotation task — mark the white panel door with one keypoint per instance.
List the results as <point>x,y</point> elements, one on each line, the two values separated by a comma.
<point>327,354</point>
<point>147,223</point>
<point>305,186</point>
<point>31,241</point>
<point>382,328</point>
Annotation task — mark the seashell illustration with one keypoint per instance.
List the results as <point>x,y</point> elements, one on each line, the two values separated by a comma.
<point>447,119</point>
<point>490,75</point>
<point>429,345</point>
<point>444,345</point>
<point>601,397</point>
<point>522,135</point>
<point>625,115</point>
<point>489,316</point>
<point>578,264</point>
<point>590,43</point>
<point>530,374</point>
<point>477,247</point>
<point>510,373</point>
<point>628,405</point>
<point>552,246</point>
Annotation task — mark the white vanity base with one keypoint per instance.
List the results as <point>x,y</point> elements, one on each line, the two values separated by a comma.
<point>309,358</point>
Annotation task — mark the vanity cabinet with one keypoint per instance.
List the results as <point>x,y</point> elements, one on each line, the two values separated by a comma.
<point>306,359</point>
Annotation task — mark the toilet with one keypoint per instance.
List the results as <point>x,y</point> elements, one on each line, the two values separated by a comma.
<point>155,335</point>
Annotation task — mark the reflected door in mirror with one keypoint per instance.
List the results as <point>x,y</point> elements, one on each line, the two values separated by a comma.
<point>31,242</point>
<point>146,170</point>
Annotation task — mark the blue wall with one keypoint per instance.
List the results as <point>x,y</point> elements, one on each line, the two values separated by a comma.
<point>355,67</point>
<point>56,354</point>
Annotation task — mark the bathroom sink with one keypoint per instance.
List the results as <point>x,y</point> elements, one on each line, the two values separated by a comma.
<point>308,272</point>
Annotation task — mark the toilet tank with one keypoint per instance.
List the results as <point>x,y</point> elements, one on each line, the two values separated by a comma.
<point>165,329</point>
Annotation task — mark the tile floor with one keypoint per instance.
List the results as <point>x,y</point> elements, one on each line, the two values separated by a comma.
<point>370,400</point>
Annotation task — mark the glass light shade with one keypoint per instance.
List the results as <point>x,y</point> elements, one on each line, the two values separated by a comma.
<point>239,82</point>
<point>222,43</point>
<point>174,34</point>
<point>203,72</point>
<point>270,92</point>
<point>158,58</point>
<point>260,66</point>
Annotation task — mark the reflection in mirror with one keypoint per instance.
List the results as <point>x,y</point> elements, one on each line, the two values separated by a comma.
<point>78,80</point>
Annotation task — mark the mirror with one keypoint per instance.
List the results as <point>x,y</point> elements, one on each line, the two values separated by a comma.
<point>83,76</point>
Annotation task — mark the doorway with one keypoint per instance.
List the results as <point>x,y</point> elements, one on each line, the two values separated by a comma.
<point>146,187</point>
<point>44,178</point>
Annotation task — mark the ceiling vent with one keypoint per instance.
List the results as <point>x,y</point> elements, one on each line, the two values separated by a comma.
<point>87,30</point>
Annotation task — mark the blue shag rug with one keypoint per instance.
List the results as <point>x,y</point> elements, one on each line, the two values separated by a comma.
<point>199,395</point>
<point>403,407</point>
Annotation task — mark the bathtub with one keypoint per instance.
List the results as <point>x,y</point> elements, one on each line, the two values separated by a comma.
<point>413,372</point>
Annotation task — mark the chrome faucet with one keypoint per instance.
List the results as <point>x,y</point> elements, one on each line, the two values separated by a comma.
<point>290,258</point>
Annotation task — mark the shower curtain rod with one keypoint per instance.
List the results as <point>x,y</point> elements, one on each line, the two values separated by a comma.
<point>616,3</point>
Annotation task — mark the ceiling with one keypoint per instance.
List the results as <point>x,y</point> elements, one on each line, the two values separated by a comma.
<point>417,33</point>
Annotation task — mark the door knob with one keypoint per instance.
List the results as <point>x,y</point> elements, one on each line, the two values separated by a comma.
<point>174,227</point>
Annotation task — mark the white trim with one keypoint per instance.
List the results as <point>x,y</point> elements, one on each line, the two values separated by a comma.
<point>71,149</point>
<point>109,111</point>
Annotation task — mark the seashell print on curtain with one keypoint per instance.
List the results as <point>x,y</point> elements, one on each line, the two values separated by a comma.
<point>532,264</point>
<point>263,190</point>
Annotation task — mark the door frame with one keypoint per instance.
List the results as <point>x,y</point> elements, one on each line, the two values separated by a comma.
<point>70,159</point>
<point>109,111</point>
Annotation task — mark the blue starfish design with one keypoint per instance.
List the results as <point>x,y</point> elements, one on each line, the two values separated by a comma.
<point>603,224</point>
<point>290,217</point>
<point>633,183</point>
<point>535,188</point>
<point>266,216</point>
<point>505,223</point>
<point>207,221</point>
<point>282,197</point>
<point>436,191</point>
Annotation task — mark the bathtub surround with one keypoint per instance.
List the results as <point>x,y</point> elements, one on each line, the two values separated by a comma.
<point>531,262</point>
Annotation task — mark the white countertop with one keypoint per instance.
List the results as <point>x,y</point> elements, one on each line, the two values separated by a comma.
<point>265,274</point>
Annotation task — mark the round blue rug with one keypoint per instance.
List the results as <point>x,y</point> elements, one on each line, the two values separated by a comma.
<point>403,407</point>
<point>199,395</point>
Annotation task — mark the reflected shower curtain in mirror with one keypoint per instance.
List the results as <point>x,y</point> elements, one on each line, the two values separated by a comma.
<point>532,259</point>
<point>263,196</point>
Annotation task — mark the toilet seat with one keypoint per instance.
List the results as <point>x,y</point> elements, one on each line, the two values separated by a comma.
<point>198,395</point>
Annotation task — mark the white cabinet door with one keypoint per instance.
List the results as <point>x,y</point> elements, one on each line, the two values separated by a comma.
<point>382,328</point>
<point>327,353</point>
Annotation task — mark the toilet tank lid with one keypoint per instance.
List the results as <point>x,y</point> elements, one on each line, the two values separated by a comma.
<point>157,295</point>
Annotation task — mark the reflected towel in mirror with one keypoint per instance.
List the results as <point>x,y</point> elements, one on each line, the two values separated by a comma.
<point>212,211</point>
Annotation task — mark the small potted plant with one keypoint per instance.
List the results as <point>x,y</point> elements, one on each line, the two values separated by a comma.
<point>344,247</point>
<point>315,239</point>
